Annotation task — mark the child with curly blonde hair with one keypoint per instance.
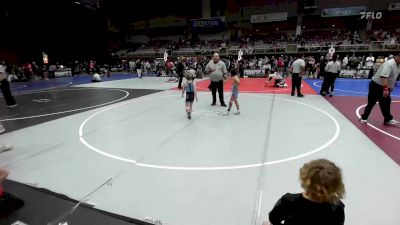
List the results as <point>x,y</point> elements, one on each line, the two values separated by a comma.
<point>320,203</point>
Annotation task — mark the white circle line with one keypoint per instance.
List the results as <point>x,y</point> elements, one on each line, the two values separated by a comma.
<point>72,110</point>
<point>266,91</point>
<point>16,86</point>
<point>84,142</point>
<point>374,127</point>
<point>41,90</point>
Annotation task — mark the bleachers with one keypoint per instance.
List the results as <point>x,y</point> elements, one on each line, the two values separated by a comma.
<point>311,41</point>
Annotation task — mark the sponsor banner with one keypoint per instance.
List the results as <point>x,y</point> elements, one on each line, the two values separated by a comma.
<point>66,73</point>
<point>270,17</point>
<point>394,6</point>
<point>254,73</point>
<point>168,21</point>
<point>348,11</point>
<point>216,22</point>
<point>139,25</point>
<point>350,73</point>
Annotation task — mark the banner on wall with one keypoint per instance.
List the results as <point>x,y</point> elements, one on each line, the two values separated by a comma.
<point>254,73</point>
<point>348,11</point>
<point>139,25</point>
<point>269,17</point>
<point>216,22</point>
<point>168,21</point>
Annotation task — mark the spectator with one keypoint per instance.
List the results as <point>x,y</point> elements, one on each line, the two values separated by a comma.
<point>5,88</point>
<point>319,203</point>
<point>345,62</point>
<point>8,202</point>
<point>180,70</point>
<point>139,68</point>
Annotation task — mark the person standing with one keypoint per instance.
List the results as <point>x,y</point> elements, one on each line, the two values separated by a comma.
<point>241,68</point>
<point>170,65</point>
<point>322,66</point>
<point>139,69</point>
<point>235,92</point>
<point>298,69</point>
<point>5,88</point>
<point>312,68</point>
<point>280,65</point>
<point>92,67</point>
<point>380,88</point>
<point>180,70</point>
<point>332,70</point>
<point>132,66</point>
<point>189,87</point>
<point>217,71</point>
<point>345,62</point>
<point>369,63</point>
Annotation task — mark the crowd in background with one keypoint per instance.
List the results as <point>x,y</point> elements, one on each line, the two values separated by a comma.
<point>251,40</point>
<point>159,67</point>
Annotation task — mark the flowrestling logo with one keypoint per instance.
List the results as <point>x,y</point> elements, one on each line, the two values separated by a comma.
<point>371,15</point>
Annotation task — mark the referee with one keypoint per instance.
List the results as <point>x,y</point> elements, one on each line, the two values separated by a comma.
<point>217,71</point>
<point>298,69</point>
<point>381,86</point>
<point>332,70</point>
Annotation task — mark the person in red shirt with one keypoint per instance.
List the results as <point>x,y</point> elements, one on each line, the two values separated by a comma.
<point>280,65</point>
<point>3,177</point>
<point>8,202</point>
<point>92,67</point>
<point>170,65</point>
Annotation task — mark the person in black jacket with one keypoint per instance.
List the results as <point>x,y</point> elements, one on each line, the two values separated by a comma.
<point>5,87</point>
<point>139,69</point>
<point>322,66</point>
<point>320,202</point>
<point>180,70</point>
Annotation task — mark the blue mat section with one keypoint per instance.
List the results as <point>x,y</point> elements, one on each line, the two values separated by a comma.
<point>35,85</point>
<point>349,87</point>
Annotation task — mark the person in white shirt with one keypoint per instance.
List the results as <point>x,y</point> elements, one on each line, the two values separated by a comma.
<point>217,71</point>
<point>345,62</point>
<point>298,69</point>
<point>380,87</point>
<point>132,66</point>
<point>332,70</point>
<point>369,62</point>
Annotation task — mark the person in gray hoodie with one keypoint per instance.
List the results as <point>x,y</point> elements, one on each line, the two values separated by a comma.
<point>217,72</point>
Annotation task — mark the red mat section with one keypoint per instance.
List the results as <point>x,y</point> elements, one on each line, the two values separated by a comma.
<point>390,145</point>
<point>256,85</point>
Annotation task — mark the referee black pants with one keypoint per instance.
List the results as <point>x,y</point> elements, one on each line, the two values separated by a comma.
<point>5,90</point>
<point>214,86</point>
<point>296,83</point>
<point>375,94</point>
<point>329,82</point>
